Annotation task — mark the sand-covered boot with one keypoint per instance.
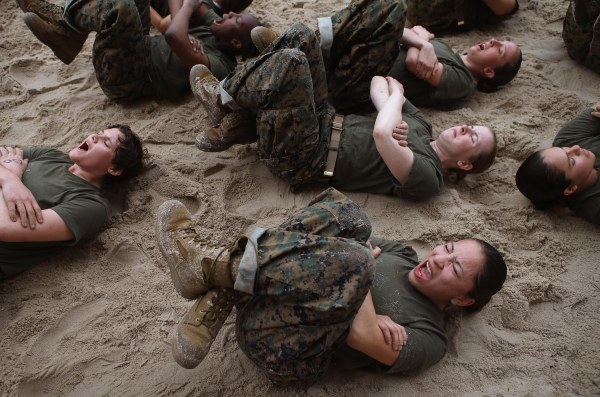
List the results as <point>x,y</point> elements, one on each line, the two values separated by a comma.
<point>262,37</point>
<point>236,128</point>
<point>205,87</point>
<point>195,262</point>
<point>64,42</point>
<point>199,327</point>
<point>47,11</point>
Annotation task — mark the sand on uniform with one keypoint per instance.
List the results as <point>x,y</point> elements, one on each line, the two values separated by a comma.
<point>96,319</point>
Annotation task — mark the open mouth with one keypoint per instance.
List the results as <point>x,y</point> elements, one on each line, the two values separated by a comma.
<point>482,46</point>
<point>84,146</point>
<point>423,271</point>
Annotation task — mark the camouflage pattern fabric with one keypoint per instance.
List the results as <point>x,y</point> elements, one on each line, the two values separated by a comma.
<point>314,273</point>
<point>366,39</point>
<point>435,15</point>
<point>120,54</point>
<point>581,32</point>
<point>285,88</point>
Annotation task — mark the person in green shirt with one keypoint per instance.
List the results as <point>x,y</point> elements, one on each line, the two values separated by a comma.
<point>128,63</point>
<point>284,89</point>
<point>567,173</point>
<point>161,11</point>
<point>315,289</point>
<point>459,15</point>
<point>487,66</point>
<point>50,200</point>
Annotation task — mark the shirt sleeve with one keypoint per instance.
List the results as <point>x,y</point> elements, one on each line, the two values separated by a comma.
<point>85,216</point>
<point>423,181</point>
<point>582,130</point>
<point>456,83</point>
<point>422,350</point>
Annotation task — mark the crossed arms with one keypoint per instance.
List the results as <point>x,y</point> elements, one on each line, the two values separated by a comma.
<point>21,218</point>
<point>389,132</point>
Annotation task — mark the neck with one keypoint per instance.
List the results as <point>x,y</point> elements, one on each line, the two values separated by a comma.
<point>439,153</point>
<point>590,181</point>
<point>83,174</point>
<point>472,68</point>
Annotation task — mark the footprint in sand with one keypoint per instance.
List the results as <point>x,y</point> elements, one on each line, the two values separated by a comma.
<point>37,77</point>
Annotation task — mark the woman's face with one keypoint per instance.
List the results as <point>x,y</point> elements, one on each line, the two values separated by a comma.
<point>464,142</point>
<point>97,151</point>
<point>448,274</point>
<point>493,53</point>
<point>577,163</point>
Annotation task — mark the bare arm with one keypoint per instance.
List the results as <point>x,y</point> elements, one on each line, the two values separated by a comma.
<point>369,331</point>
<point>399,159</point>
<point>18,199</point>
<point>501,7</point>
<point>53,228</point>
<point>178,38</point>
<point>421,59</point>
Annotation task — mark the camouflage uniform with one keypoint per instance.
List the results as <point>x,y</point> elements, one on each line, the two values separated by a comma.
<point>314,272</point>
<point>120,55</point>
<point>581,32</point>
<point>452,15</point>
<point>366,39</point>
<point>287,91</point>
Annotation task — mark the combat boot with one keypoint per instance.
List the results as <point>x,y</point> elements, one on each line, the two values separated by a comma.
<point>205,87</point>
<point>47,11</point>
<point>236,128</point>
<point>64,42</point>
<point>195,263</point>
<point>262,37</point>
<point>199,327</point>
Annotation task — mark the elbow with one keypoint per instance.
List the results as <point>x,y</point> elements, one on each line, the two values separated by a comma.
<point>170,35</point>
<point>379,133</point>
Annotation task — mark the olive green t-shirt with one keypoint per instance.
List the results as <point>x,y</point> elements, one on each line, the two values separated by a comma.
<point>456,82</point>
<point>170,77</point>
<point>394,296</point>
<point>79,204</point>
<point>360,167</point>
<point>584,131</point>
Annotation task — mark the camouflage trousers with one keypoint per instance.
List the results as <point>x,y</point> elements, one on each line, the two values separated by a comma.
<point>366,39</point>
<point>121,55</point>
<point>314,272</point>
<point>452,15</point>
<point>581,32</point>
<point>285,87</point>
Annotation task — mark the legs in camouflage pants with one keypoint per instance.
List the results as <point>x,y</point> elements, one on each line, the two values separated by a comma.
<point>285,88</point>
<point>314,272</point>
<point>581,32</point>
<point>120,55</point>
<point>366,36</point>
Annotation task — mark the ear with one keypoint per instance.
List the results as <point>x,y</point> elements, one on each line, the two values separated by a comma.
<point>114,172</point>
<point>465,165</point>
<point>462,301</point>
<point>570,190</point>
<point>489,72</point>
<point>236,43</point>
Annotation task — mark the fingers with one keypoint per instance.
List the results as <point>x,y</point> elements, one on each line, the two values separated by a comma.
<point>12,210</point>
<point>596,110</point>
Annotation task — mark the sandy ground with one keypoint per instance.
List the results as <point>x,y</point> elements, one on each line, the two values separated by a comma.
<point>96,320</point>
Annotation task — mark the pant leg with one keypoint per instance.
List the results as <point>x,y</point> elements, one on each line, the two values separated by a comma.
<point>331,214</point>
<point>581,32</point>
<point>366,39</point>
<point>121,54</point>
<point>286,88</point>
<point>308,289</point>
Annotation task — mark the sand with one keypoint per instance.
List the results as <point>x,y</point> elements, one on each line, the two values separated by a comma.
<point>95,320</point>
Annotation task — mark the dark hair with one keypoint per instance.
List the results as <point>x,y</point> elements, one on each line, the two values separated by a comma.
<point>490,278</point>
<point>129,155</point>
<point>502,75</point>
<point>248,49</point>
<point>540,182</point>
<point>481,162</point>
